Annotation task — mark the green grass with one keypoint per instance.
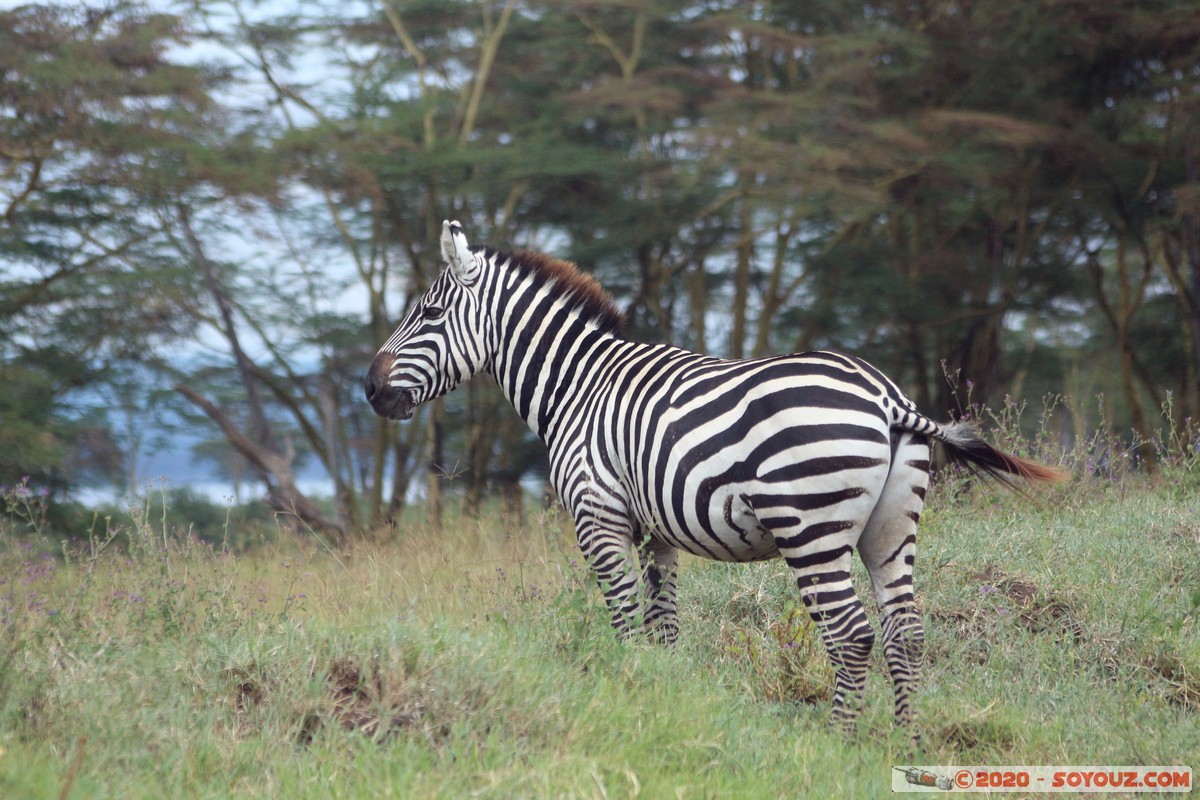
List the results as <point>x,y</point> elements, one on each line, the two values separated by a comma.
<point>478,663</point>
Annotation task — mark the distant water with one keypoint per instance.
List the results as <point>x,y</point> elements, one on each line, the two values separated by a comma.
<point>220,492</point>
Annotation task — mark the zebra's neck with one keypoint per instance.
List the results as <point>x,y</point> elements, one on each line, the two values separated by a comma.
<point>547,346</point>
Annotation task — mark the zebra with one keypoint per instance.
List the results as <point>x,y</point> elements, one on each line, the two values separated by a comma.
<point>654,449</point>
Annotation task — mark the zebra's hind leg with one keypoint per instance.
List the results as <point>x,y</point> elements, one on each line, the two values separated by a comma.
<point>660,562</point>
<point>821,564</point>
<point>888,548</point>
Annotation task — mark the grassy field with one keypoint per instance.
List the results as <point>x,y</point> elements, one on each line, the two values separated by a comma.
<point>478,663</point>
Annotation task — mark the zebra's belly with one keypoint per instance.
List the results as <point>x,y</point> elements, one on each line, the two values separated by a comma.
<point>729,532</point>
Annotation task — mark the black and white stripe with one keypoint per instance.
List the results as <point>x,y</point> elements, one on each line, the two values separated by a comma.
<point>654,449</point>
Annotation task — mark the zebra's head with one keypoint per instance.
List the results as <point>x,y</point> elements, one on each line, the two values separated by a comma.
<point>441,340</point>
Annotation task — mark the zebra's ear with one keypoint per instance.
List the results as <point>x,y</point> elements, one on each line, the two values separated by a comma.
<point>465,264</point>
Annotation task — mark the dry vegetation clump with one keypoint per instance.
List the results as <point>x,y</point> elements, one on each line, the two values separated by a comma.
<point>1181,678</point>
<point>787,662</point>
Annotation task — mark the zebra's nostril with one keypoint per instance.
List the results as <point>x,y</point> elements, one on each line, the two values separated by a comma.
<point>375,384</point>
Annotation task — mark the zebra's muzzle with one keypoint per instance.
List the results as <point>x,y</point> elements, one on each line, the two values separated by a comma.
<point>388,401</point>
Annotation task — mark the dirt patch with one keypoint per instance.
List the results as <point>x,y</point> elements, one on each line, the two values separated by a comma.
<point>369,700</point>
<point>1020,592</point>
<point>1037,611</point>
<point>249,689</point>
<point>972,624</point>
<point>1185,533</point>
<point>34,711</point>
<point>1002,600</point>
<point>248,693</point>
<point>1183,683</point>
<point>358,695</point>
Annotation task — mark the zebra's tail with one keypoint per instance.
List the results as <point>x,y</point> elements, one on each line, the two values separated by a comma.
<point>963,445</point>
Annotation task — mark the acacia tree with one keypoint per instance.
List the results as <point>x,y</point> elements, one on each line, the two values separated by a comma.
<point>1144,94</point>
<point>90,103</point>
<point>382,149</point>
<point>937,161</point>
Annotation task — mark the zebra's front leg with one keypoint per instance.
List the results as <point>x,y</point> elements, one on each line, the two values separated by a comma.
<point>660,564</point>
<point>609,553</point>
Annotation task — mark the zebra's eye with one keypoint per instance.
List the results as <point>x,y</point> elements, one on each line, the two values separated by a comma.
<point>433,312</point>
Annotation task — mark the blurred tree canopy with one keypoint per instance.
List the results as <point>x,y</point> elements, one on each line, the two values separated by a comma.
<point>228,204</point>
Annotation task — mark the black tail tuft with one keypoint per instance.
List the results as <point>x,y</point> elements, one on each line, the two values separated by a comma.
<point>963,445</point>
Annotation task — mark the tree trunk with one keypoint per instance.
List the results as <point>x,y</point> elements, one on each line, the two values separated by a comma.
<point>344,497</point>
<point>512,504</point>
<point>434,471</point>
<point>402,450</point>
<point>477,452</point>
<point>744,261</point>
<point>698,306</point>
<point>275,471</point>
<point>776,294</point>
<point>1191,249</point>
<point>260,446</point>
<point>1131,291</point>
<point>976,359</point>
<point>920,365</point>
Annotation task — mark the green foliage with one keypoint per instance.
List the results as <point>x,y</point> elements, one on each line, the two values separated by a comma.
<point>27,437</point>
<point>93,114</point>
<point>33,515</point>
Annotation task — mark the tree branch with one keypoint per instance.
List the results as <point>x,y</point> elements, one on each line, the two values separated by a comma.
<point>487,56</point>
<point>273,468</point>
